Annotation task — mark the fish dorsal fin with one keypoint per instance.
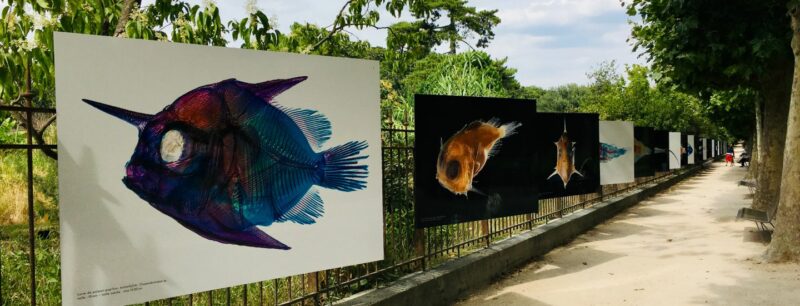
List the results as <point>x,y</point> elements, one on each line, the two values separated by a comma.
<point>270,89</point>
<point>306,210</point>
<point>314,125</point>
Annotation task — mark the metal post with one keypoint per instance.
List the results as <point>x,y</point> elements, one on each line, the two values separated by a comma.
<point>601,194</point>
<point>31,212</point>
<point>316,285</point>
<point>261,293</point>
<point>485,231</point>
<point>1,275</point>
<point>419,244</point>
<point>275,284</point>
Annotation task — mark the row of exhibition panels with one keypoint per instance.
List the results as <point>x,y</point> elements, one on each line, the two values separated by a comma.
<point>490,157</point>
<point>175,178</point>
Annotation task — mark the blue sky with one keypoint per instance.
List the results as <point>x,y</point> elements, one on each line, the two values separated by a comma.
<point>549,42</point>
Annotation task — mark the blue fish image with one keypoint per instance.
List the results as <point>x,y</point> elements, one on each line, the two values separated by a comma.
<point>224,159</point>
<point>609,152</point>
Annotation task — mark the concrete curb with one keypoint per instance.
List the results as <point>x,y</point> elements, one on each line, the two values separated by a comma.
<point>457,278</point>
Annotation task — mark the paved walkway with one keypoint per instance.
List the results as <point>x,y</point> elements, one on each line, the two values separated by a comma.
<point>682,247</point>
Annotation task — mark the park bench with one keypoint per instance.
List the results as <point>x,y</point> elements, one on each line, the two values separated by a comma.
<point>750,184</point>
<point>761,218</point>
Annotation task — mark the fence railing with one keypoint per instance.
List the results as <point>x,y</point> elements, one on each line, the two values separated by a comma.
<point>406,249</point>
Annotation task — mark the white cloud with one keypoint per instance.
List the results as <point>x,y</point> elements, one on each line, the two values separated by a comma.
<point>540,64</point>
<point>556,12</point>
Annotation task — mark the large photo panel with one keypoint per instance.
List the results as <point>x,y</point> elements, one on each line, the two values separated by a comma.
<point>473,159</point>
<point>616,152</point>
<point>568,148</point>
<point>644,151</point>
<point>187,168</point>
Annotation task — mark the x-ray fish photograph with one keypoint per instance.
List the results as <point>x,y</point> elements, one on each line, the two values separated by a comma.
<point>568,147</point>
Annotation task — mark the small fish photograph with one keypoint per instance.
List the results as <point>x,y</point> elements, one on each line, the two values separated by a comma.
<point>675,150</point>
<point>643,151</point>
<point>568,148</point>
<point>661,153</point>
<point>616,152</point>
<point>191,175</point>
<point>472,159</point>
<point>701,155</point>
<point>691,149</point>
<point>685,150</point>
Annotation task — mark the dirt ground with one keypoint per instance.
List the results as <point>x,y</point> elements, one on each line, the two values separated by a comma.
<point>681,247</point>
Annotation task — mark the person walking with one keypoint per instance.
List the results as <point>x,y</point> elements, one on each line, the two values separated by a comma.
<point>729,156</point>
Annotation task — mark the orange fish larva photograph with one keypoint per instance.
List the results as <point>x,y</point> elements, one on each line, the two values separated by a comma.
<point>473,159</point>
<point>464,154</point>
<point>568,152</point>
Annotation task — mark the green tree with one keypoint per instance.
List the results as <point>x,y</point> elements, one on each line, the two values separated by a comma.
<point>471,73</point>
<point>563,98</point>
<point>785,244</point>
<point>726,45</point>
<point>703,46</point>
<point>462,22</point>
<point>635,98</point>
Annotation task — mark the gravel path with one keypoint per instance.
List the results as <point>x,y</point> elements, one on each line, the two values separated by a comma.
<point>681,247</point>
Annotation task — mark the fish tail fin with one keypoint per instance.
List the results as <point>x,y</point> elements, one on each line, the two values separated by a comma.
<point>506,130</point>
<point>510,128</point>
<point>341,170</point>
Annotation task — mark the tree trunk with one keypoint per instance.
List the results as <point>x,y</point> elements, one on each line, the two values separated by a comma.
<point>127,8</point>
<point>776,88</point>
<point>453,35</point>
<point>752,170</point>
<point>755,156</point>
<point>785,244</point>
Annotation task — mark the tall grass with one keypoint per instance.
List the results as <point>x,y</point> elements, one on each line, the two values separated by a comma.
<point>14,247</point>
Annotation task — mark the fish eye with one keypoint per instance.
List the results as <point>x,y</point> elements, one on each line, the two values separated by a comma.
<point>453,169</point>
<point>172,146</point>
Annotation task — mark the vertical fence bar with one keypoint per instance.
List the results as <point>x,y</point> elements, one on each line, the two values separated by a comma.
<point>261,293</point>
<point>275,285</point>
<point>31,212</point>
<point>1,273</point>
<point>419,245</point>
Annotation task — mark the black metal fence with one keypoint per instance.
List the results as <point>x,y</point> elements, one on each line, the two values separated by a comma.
<point>406,249</point>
